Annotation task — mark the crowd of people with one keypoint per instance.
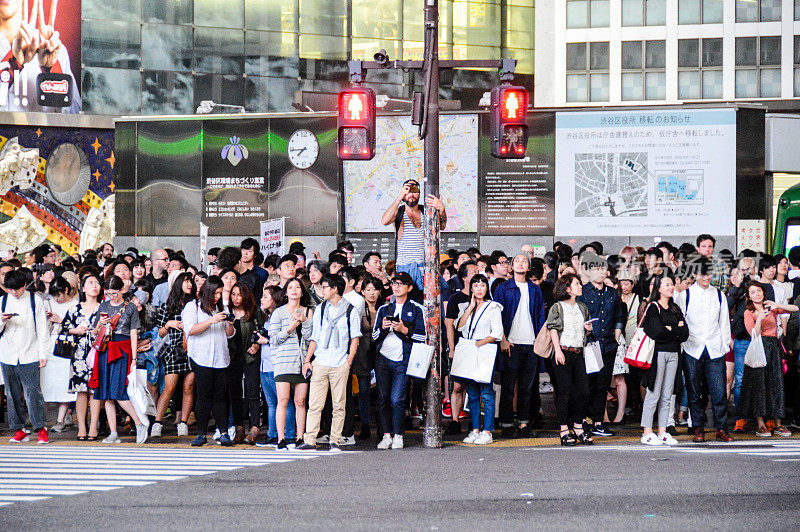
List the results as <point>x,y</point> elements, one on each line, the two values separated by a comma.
<point>292,351</point>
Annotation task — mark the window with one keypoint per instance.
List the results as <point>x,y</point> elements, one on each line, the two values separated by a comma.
<point>644,12</point>
<point>587,72</point>
<point>699,11</point>
<point>588,14</point>
<point>758,10</point>
<point>796,62</point>
<point>797,9</point>
<point>699,69</point>
<point>758,72</point>
<point>643,70</point>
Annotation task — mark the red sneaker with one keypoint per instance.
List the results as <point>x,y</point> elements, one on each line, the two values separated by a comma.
<point>19,437</point>
<point>446,410</point>
<point>43,436</point>
<point>463,415</point>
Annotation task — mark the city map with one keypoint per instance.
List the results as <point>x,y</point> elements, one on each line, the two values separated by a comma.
<point>371,186</point>
<point>681,187</point>
<point>610,184</point>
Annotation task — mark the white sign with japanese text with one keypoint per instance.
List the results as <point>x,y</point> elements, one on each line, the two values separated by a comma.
<point>751,234</point>
<point>273,238</point>
<point>203,246</point>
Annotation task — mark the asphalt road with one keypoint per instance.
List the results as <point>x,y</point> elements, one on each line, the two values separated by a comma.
<point>604,487</point>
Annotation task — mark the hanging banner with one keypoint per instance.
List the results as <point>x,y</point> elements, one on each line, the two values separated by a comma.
<point>273,237</point>
<point>203,246</point>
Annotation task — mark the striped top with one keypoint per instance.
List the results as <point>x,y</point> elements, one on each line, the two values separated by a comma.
<point>287,351</point>
<point>411,245</point>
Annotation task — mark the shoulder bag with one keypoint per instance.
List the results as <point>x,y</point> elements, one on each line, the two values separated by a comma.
<point>640,350</point>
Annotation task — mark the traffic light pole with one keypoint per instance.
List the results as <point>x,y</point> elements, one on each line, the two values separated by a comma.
<point>429,131</point>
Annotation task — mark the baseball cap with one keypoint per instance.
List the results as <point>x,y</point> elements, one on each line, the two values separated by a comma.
<point>404,277</point>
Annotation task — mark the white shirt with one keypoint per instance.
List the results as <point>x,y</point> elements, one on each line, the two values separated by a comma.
<point>485,321</point>
<point>572,334</point>
<point>336,352</point>
<point>708,322</point>
<point>21,343</point>
<point>357,300</point>
<point>209,348</point>
<point>392,346</point>
<point>522,327</point>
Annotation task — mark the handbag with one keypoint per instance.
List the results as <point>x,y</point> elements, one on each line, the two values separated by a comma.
<point>65,344</point>
<point>420,360</point>
<point>472,362</point>
<point>543,344</point>
<point>755,356</point>
<point>640,350</point>
<point>593,357</point>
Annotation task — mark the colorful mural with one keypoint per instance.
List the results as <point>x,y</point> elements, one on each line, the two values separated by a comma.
<point>79,157</point>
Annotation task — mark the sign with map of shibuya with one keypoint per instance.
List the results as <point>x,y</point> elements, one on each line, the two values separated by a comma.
<point>371,186</point>
<point>646,173</point>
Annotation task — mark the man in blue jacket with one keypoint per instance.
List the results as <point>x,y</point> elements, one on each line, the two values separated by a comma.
<point>523,316</point>
<point>397,326</point>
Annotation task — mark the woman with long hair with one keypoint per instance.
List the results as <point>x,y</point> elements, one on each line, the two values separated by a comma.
<point>481,321</point>
<point>207,333</point>
<point>111,367</point>
<point>316,271</point>
<point>173,353</point>
<point>289,335</point>
<point>762,395</point>
<point>364,362</point>
<point>138,271</point>
<point>245,355</point>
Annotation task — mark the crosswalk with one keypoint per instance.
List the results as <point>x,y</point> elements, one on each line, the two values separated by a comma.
<point>34,472</point>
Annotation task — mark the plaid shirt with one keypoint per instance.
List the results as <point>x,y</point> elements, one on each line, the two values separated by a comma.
<point>174,337</point>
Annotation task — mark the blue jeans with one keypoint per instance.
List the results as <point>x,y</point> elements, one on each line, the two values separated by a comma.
<point>739,350</point>
<point>477,392</point>
<point>392,383</point>
<point>713,371</point>
<point>271,395</point>
<point>417,272</point>
<point>24,389</point>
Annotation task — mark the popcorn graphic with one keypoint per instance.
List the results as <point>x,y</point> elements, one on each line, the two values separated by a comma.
<point>235,151</point>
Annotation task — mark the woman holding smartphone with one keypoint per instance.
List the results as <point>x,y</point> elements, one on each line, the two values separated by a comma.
<point>289,334</point>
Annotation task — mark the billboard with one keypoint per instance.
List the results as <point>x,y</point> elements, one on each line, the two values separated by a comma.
<point>646,173</point>
<point>40,67</point>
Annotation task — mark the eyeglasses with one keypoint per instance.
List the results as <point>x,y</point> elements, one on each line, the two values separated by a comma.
<point>398,282</point>
<point>325,286</point>
<point>502,262</point>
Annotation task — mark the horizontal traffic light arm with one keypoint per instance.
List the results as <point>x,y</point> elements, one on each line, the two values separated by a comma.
<point>506,66</point>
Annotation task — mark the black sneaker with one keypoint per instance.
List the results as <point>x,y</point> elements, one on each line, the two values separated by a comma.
<point>365,433</point>
<point>200,440</point>
<point>283,445</point>
<point>306,447</point>
<point>264,441</point>
<point>600,430</point>
<point>453,428</point>
<point>526,432</point>
<point>672,431</point>
<point>334,448</point>
<point>508,432</point>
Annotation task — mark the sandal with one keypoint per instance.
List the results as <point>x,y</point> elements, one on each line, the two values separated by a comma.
<point>568,440</point>
<point>83,438</point>
<point>584,438</point>
<point>91,438</point>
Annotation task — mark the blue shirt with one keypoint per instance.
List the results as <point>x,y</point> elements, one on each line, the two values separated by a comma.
<point>605,305</point>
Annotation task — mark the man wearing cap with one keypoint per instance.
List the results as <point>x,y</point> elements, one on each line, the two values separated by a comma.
<point>407,220</point>
<point>605,307</point>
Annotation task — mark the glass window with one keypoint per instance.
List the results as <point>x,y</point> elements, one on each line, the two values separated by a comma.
<point>796,17</point>
<point>599,87</point>
<point>110,91</point>
<point>599,16</point>
<point>770,82</point>
<point>463,51</point>
<point>770,51</point>
<point>576,56</point>
<point>632,55</point>
<point>476,23</point>
<point>323,17</point>
<point>712,84</point>
<point>598,56</point>
<point>173,12</point>
<point>218,51</point>
<point>413,29</point>
<point>770,10</point>
<point>712,52</point>
<point>576,88</point>
<point>655,84</point>
<point>323,47</point>
<point>270,94</point>
<point>688,53</point>
<point>165,93</point>
<point>746,51</point>
<point>632,86</point>
<point>712,11</point>
<point>166,47</point>
<point>267,15</point>
<point>797,81</point>
<point>524,57</point>
<point>221,89</point>
<point>519,27</point>
<point>747,83</point>
<point>111,44</point>
<point>689,85</point>
<point>655,12</point>
<point>746,10</point>
<point>219,13</point>
<point>689,12</point>
<point>632,15</point>
<point>376,19</point>
<point>271,53</point>
<point>655,54</point>
<point>366,48</point>
<point>797,49</point>
<point>578,16</point>
<point>112,9</point>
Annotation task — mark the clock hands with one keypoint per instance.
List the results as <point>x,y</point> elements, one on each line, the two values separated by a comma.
<point>299,150</point>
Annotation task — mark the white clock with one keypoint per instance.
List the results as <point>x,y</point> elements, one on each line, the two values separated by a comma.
<point>303,149</point>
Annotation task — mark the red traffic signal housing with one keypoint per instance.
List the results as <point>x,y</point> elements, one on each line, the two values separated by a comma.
<point>356,124</point>
<point>508,121</point>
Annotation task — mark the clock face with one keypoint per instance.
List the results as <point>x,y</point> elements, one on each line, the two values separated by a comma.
<point>303,149</point>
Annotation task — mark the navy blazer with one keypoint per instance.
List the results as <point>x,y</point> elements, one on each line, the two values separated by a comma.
<point>508,295</point>
<point>412,315</point>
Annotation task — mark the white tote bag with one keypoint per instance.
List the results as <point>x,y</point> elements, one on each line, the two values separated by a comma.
<point>140,398</point>
<point>473,363</point>
<point>420,360</point>
<point>593,355</point>
<point>755,356</point>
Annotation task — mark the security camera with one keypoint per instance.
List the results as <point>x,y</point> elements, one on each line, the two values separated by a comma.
<point>381,57</point>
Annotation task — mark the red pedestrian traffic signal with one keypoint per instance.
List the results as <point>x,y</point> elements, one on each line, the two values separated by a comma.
<point>508,125</point>
<point>356,124</point>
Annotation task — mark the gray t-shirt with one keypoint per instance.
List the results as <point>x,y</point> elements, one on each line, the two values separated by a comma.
<point>127,322</point>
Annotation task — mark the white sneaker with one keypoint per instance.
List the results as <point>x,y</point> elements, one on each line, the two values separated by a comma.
<point>112,438</point>
<point>183,429</point>
<point>651,439</point>
<point>484,438</point>
<point>155,431</point>
<point>471,436</point>
<point>216,435</point>
<point>141,434</point>
<point>324,439</point>
<point>397,442</point>
<point>69,420</point>
<point>350,440</point>
<point>386,442</point>
<point>232,432</point>
<point>667,439</point>
<point>545,387</point>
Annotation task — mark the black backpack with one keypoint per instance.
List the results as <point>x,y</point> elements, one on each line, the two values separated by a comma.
<point>33,308</point>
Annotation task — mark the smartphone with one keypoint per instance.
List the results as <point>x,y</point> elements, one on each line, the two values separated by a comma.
<point>394,319</point>
<point>230,317</point>
<point>308,374</point>
<point>414,189</point>
<point>104,314</point>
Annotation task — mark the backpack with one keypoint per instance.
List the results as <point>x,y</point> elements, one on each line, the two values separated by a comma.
<point>398,219</point>
<point>719,298</point>
<point>33,308</point>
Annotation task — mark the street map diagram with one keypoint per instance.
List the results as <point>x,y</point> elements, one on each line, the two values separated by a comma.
<point>610,184</point>
<point>682,187</point>
<point>371,186</point>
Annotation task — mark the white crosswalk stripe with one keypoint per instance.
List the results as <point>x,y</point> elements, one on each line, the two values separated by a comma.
<point>30,473</point>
